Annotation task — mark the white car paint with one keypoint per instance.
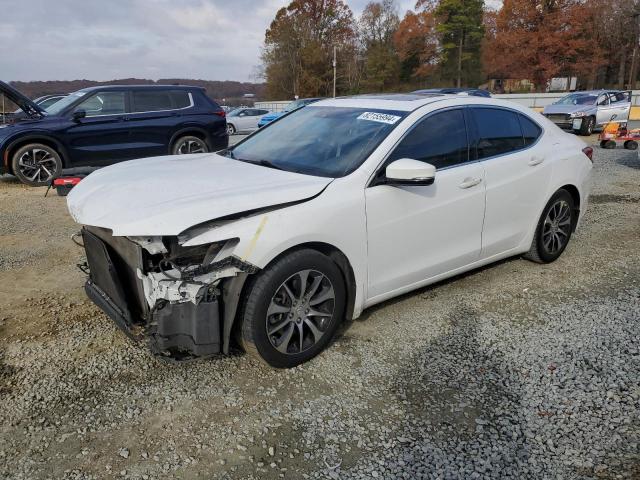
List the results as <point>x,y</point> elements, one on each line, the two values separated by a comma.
<point>395,238</point>
<point>245,121</point>
<point>166,195</point>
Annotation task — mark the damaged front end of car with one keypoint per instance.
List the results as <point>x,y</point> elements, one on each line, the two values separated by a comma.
<point>181,300</point>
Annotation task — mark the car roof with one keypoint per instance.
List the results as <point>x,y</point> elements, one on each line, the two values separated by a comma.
<point>406,102</point>
<point>140,87</point>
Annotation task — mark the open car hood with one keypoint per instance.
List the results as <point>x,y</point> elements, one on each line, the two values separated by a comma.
<point>167,195</point>
<point>25,104</point>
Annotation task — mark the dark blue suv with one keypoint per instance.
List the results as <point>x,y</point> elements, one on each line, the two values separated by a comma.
<point>103,125</point>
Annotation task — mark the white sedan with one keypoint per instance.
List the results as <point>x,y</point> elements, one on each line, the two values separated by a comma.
<point>244,120</point>
<point>332,209</point>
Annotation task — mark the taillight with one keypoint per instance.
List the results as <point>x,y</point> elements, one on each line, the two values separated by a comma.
<point>220,113</point>
<point>588,151</point>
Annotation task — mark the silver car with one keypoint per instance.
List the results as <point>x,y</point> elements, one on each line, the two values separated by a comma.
<point>583,112</point>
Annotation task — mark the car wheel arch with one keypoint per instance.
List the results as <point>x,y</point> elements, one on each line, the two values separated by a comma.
<point>237,287</point>
<point>20,142</point>
<point>188,132</point>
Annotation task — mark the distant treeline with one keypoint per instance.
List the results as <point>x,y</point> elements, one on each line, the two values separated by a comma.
<point>231,92</point>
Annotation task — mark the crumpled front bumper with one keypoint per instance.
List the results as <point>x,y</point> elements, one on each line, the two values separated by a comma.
<point>179,330</point>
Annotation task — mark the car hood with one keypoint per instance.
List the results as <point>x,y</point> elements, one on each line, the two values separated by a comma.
<point>167,195</point>
<point>25,104</point>
<point>567,108</point>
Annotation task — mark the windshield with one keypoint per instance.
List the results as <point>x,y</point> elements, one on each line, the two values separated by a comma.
<point>63,103</point>
<point>323,141</point>
<point>578,99</point>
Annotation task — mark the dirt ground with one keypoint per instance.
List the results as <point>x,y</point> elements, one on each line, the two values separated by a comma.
<point>79,400</point>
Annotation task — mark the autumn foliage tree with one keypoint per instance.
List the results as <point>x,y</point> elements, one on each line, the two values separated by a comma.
<point>381,64</point>
<point>416,41</point>
<point>541,39</point>
<point>297,55</point>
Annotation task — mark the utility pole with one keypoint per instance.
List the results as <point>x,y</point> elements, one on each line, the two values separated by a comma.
<point>335,63</point>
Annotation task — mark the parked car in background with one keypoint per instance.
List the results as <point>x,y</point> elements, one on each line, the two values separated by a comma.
<point>477,92</point>
<point>244,120</point>
<point>584,112</point>
<point>296,104</point>
<point>103,125</point>
<point>334,208</point>
<point>43,102</point>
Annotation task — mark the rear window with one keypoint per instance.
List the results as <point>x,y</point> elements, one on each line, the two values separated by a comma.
<point>180,99</point>
<point>530,130</point>
<point>154,101</point>
<point>498,131</point>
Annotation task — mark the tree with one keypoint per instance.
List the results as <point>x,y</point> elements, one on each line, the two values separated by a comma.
<point>460,24</point>
<point>298,49</point>
<point>377,25</point>
<point>416,41</point>
<point>542,39</point>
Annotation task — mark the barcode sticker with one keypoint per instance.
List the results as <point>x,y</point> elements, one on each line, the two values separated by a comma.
<point>379,117</point>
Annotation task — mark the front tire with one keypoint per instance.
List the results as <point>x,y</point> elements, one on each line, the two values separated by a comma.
<point>36,164</point>
<point>189,144</point>
<point>292,309</point>
<point>554,229</point>
<point>587,126</point>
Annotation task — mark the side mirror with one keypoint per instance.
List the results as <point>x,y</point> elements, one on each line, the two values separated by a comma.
<point>79,114</point>
<point>407,171</point>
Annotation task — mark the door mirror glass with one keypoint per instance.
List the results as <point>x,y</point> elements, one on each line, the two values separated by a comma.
<point>78,114</point>
<point>407,171</point>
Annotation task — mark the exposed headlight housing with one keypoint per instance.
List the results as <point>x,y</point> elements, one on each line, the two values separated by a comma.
<point>578,114</point>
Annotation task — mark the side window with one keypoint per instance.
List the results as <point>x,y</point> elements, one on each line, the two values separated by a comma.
<point>498,131</point>
<point>440,139</point>
<point>263,112</point>
<point>530,130</point>
<point>103,103</point>
<point>619,97</point>
<point>180,98</point>
<point>150,101</point>
<point>603,100</point>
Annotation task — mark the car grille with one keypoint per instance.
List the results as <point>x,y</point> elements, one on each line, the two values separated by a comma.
<point>559,117</point>
<point>113,264</point>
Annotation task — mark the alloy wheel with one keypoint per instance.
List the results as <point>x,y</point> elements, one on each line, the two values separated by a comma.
<point>557,227</point>
<point>300,312</point>
<point>190,146</point>
<point>37,165</point>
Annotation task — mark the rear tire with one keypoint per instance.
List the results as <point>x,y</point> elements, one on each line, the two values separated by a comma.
<point>189,144</point>
<point>631,145</point>
<point>36,164</point>
<point>554,229</point>
<point>231,130</point>
<point>292,309</point>
<point>608,144</point>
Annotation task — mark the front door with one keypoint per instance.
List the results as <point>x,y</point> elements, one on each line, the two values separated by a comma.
<point>103,135</point>
<point>419,232</point>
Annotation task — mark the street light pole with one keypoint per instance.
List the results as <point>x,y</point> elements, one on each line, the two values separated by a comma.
<point>334,71</point>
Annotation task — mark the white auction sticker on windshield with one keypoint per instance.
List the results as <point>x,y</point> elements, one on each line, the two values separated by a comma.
<point>379,117</point>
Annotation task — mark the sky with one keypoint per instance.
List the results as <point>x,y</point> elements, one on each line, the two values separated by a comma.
<point>108,39</point>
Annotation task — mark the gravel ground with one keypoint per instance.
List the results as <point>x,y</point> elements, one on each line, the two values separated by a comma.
<point>516,370</point>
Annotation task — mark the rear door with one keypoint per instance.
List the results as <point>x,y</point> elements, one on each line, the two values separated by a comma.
<point>155,117</point>
<point>102,136</point>
<point>517,173</point>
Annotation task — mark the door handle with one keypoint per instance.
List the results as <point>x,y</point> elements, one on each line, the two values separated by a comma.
<point>470,182</point>
<point>535,161</point>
